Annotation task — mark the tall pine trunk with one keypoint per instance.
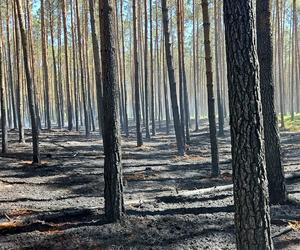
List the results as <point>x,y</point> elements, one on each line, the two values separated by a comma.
<point>277,189</point>
<point>210,92</point>
<point>3,100</point>
<point>252,219</point>
<point>68,86</point>
<point>136,78</point>
<point>19,81</point>
<point>30,90</point>
<point>44,36</point>
<point>172,82</point>
<point>113,193</point>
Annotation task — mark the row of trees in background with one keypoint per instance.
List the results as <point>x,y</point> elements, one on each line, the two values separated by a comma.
<point>150,51</point>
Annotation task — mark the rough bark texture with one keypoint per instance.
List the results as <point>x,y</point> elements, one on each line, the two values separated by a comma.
<point>113,193</point>
<point>277,189</point>
<point>252,219</point>
<point>210,92</point>
<point>172,82</point>
<point>31,103</point>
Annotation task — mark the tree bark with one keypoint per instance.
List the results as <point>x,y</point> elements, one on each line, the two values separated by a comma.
<point>124,74</point>
<point>68,86</point>
<point>82,73</point>
<point>31,103</point>
<point>275,173</point>
<point>113,193</point>
<point>172,82</point>
<point>44,37</point>
<point>97,64</point>
<point>10,70</point>
<point>3,99</point>
<point>252,219</point>
<point>136,78</point>
<point>19,81</point>
<point>56,81</point>
<point>146,72</point>
<point>210,92</point>
<point>218,80</point>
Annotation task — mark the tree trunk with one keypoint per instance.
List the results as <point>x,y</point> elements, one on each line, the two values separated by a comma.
<point>44,37</point>
<point>218,80</point>
<point>172,82</point>
<point>31,103</point>
<point>82,73</point>
<point>75,72</point>
<point>280,70</point>
<point>19,81</point>
<point>97,65</point>
<point>3,100</point>
<point>252,219</point>
<point>146,72</point>
<point>10,71</point>
<point>56,82</point>
<point>136,78</point>
<point>277,189</point>
<point>195,69</point>
<point>124,74</point>
<point>184,81</point>
<point>113,193</point>
<point>69,103</point>
<point>210,92</point>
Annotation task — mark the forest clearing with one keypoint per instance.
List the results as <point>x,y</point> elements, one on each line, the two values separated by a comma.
<point>154,124</point>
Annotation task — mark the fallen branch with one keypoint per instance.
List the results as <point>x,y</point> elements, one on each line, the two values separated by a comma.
<point>287,229</point>
<point>202,191</point>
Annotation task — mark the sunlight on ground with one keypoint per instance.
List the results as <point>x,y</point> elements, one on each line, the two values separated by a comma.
<point>292,125</point>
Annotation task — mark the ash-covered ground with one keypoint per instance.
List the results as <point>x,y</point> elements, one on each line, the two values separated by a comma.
<point>171,202</point>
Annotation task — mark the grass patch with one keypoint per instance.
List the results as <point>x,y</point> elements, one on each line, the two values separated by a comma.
<point>292,125</point>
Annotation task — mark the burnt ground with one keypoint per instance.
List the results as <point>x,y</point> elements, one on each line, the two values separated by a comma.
<point>171,201</point>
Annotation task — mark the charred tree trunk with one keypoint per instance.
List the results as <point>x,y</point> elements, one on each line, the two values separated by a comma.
<point>31,103</point>
<point>252,219</point>
<point>218,78</point>
<point>124,74</point>
<point>56,81</point>
<point>113,193</point>
<point>45,66</point>
<point>146,72</point>
<point>136,78</point>
<point>97,64</point>
<point>68,86</point>
<point>172,82</point>
<point>82,73</point>
<point>19,81</point>
<point>3,101</point>
<point>10,70</point>
<point>277,189</point>
<point>210,92</point>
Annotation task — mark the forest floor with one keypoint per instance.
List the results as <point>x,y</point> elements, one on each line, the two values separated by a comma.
<point>171,202</point>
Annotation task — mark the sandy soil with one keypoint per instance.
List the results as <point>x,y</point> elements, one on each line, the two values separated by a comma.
<point>59,204</point>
